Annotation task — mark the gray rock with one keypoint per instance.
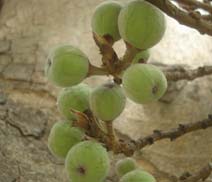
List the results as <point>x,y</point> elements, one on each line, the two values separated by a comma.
<point>26,44</point>
<point>24,58</point>
<point>4,46</point>
<point>5,60</point>
<point>37,26</point>
<point>18,72</point>
<point>30,121</point>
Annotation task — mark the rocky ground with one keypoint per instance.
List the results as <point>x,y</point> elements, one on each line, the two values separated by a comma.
<point>28,29</point>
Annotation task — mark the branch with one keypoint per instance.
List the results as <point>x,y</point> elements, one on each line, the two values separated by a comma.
<point>128,148</point>
<point>203,174</point>
<point>197,4</point>
<point>93,70</point>
<point>109,56</point>
<point>180,73</point>
<point>189,19</point>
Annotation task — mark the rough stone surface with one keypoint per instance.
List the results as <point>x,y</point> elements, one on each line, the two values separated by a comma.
<point>5,60</point>
<point>18,71</point>
<point>4,46</point>
<point>29,29</point>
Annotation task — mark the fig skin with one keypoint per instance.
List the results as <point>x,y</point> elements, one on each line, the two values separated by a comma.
<point>87,161</point>
<point>125,165</point>
<point>107,101</point>
<point>105,19</point>
<point>141,57</point>
<point>138,175</point>
<point>76,97</point>
<point>66,66</point>
<point>144,83</point>
<point>62,137</point>
<point>141,24</point>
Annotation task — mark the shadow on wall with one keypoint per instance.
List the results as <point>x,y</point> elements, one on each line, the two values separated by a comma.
<point>1,4</point>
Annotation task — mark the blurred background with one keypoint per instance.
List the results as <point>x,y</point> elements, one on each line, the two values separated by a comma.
<point>29,29</point>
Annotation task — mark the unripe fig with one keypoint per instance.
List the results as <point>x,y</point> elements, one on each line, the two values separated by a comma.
<point>141,57</point>
<point>87,161</point>
<point>138,175</point>
<point>62,137</point>
<point>76,97</point>
<point>144,83</point>
<point>67,66</point>
<point>105,19</point>
<point>124,166</point>
<point>141,24</point>
<point>107,101</point>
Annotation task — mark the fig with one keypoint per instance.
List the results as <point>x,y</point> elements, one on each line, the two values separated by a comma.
<point>67,66</point>
<point>107,101</point>
<point>144,83</point>
<point>141,24</point>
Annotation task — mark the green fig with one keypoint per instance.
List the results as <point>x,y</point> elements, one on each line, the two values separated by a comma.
<point>141,24</point>
<point>138,175</point>
<point>105,19</point>
<point>62,137</point>
<point>144,83</point>
<point>107,101</point>
<point>76,97</point>
<point>87,161</point>
<point>125,165</point>
<point>141,57</point>
<point>67,66</point>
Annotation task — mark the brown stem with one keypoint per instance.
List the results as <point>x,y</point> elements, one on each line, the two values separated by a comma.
<point>180,73</point>
<point>197,4</point>
<point>183,17</point>
<point>111,135</point>
<point>109,56</point>
<point>131,146</point>
<point>202,174</point>
<point>127,58</point>
<point>93,70</point>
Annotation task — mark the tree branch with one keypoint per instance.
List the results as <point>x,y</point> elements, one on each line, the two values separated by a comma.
<point>129,147</point>
<point>189,19</point>
<point>202,174</point>
<point>180,73</point>
<point>109,56</point>
<point>197,4</point>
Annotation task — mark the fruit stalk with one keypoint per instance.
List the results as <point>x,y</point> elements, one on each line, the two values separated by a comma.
<point>112,141</point>
<point>93,70</point>
<point>128,57</point>
<point>109,56</point>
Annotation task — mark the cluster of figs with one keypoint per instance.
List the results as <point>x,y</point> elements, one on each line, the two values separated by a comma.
<point>139,24</point>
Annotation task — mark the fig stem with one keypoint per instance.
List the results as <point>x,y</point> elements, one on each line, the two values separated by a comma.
<point>112,142</point>
<point>128,57</point>
<point>93,70</point>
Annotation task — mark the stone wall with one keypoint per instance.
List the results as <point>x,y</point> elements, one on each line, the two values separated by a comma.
<point>29,29</point>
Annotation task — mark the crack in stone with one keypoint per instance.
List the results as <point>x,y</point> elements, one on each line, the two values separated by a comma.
<point>19,129</point>
<point>37,137</point>
<point>26,86</point>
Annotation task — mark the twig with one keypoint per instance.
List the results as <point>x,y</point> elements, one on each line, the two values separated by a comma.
<point>109,56</point>
<point>179,73</point>
<point>203,174</point>
<point>197,4</point>
<point>183,17</point>
<point>110,133</point>
<point>93,70</point>
<point>127,59</point>
<point>131,146</point>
